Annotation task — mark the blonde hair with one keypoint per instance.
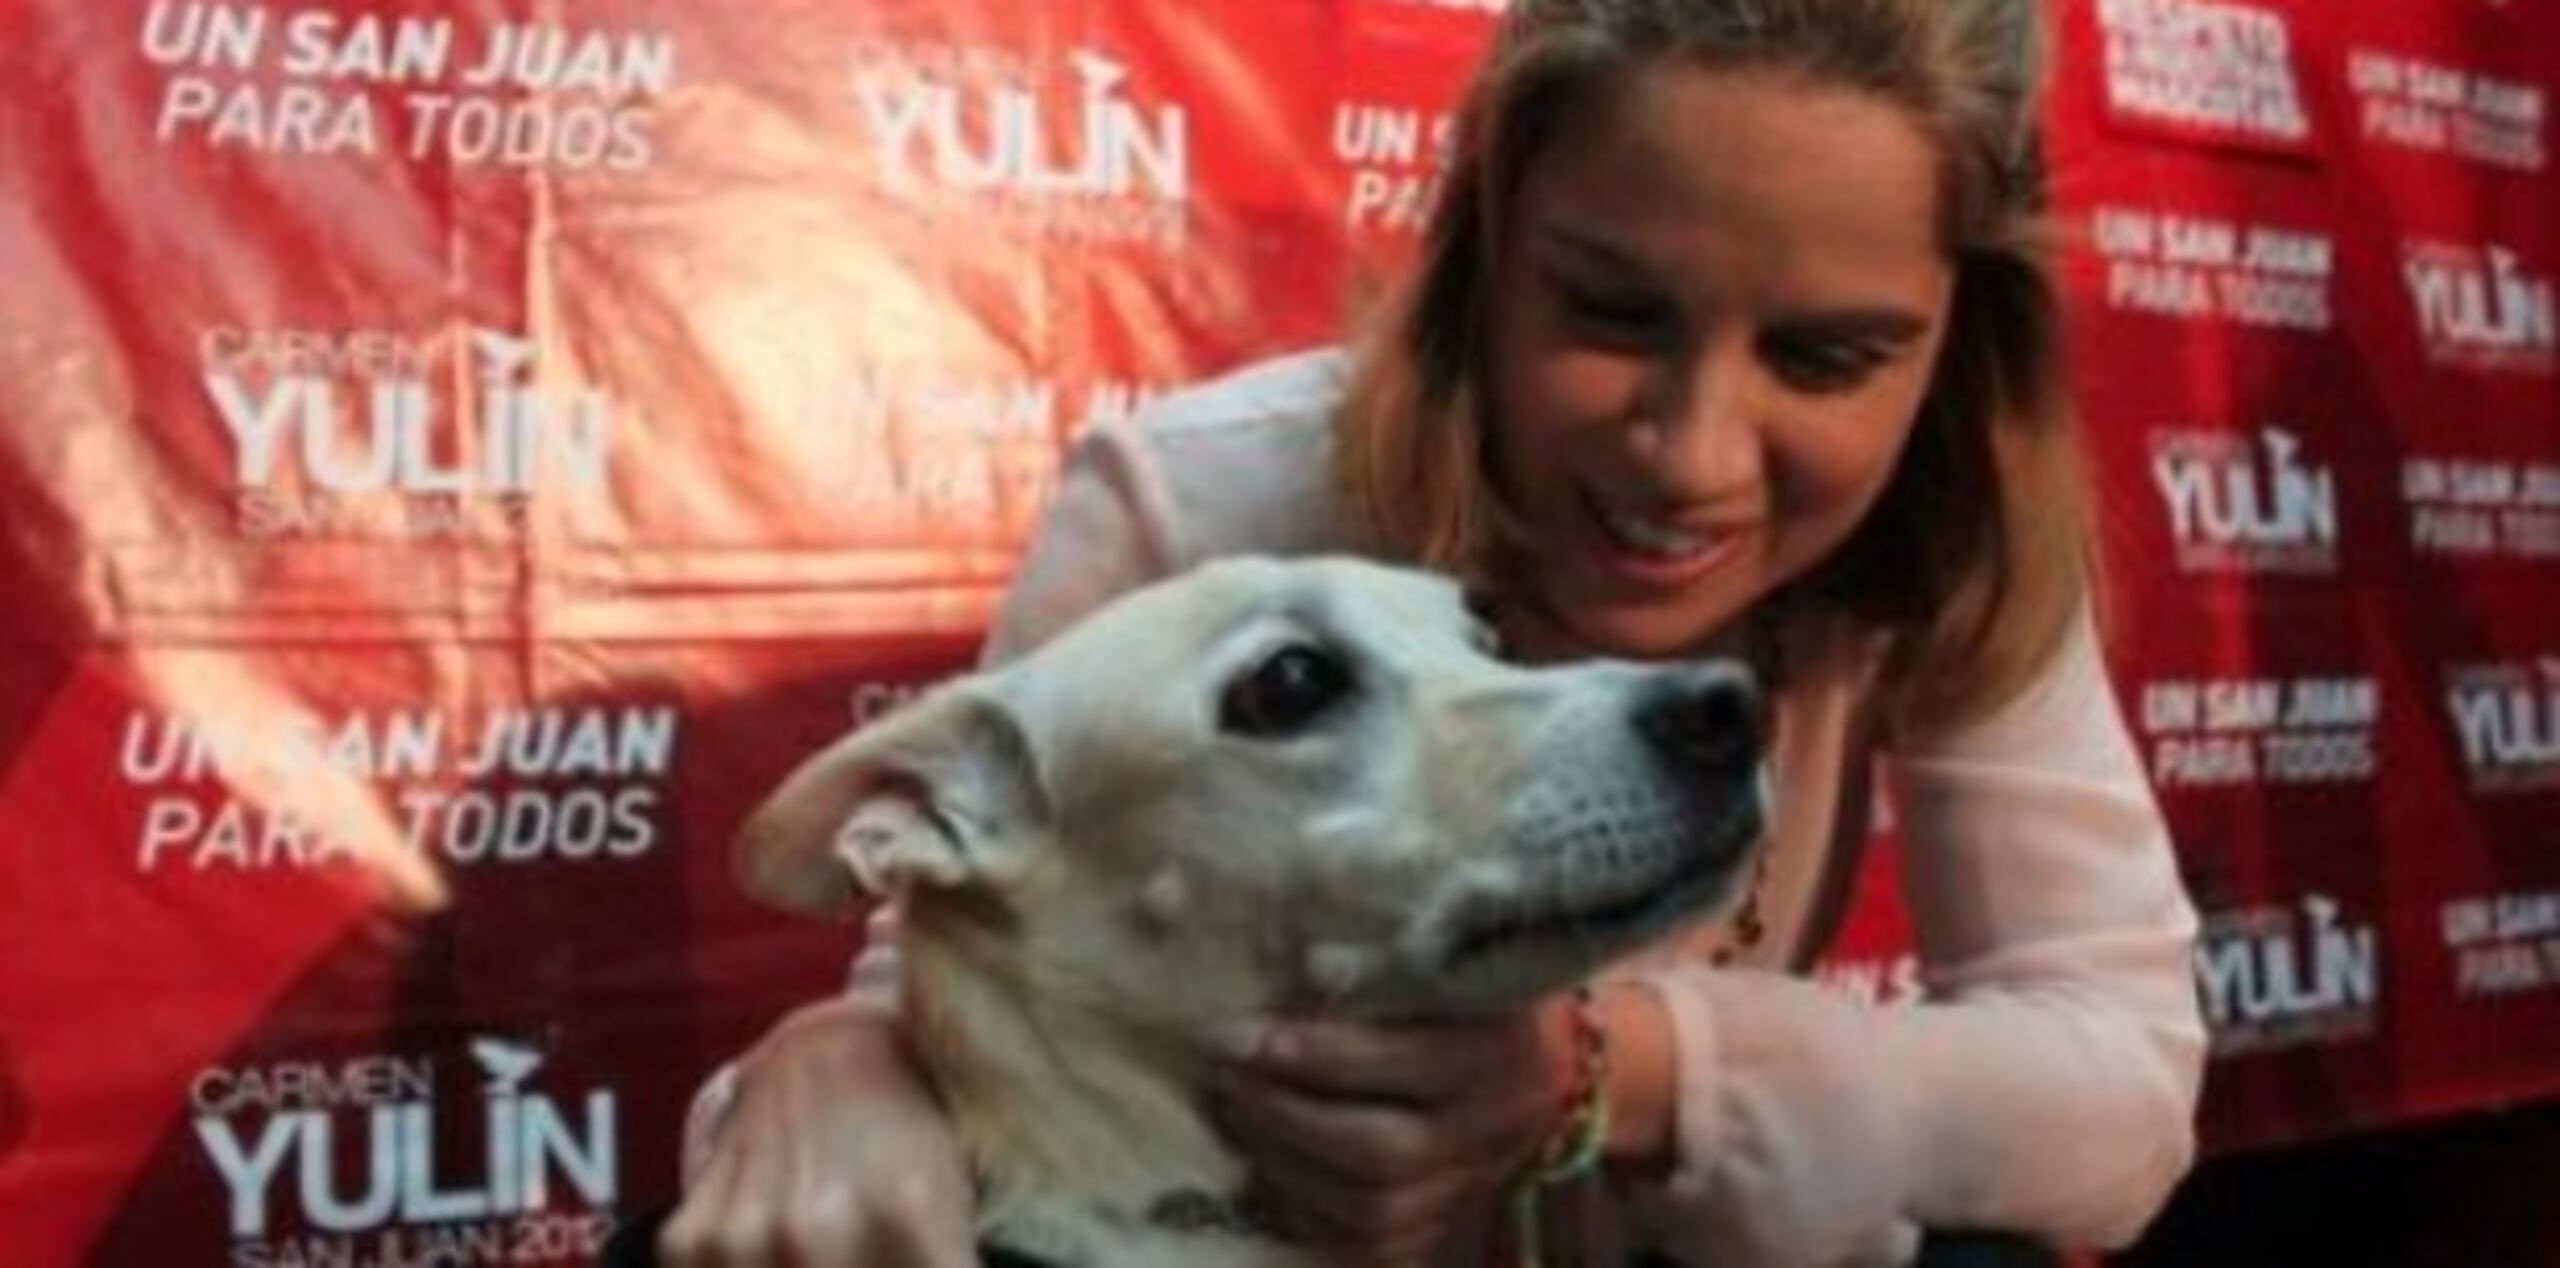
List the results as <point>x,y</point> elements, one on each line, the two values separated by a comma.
<point>1975,559</point>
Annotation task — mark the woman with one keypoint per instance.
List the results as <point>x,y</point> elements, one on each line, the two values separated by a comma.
<point>1731,334</point>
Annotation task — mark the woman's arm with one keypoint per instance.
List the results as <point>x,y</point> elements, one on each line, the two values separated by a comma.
<point>833,1155</point>
<point>2047,1085</point>
<point>1104,535</point>
<point>1231,465</point>
<point>821,1145</point>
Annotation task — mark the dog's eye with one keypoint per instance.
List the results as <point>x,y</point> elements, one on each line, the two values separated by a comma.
<point>1284,693</point>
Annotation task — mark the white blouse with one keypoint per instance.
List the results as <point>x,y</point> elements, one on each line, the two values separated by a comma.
<point>2047,1082</point>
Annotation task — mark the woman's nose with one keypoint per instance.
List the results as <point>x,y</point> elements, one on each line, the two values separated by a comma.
<point>1701,436</point>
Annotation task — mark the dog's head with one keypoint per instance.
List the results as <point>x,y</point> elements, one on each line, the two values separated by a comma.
<point>1266,783</point>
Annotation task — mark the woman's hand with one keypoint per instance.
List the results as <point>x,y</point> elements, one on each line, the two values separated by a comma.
<point>833,1156</point>
<point>1389,1142</point>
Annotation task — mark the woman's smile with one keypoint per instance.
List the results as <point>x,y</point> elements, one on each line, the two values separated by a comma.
<point>1652,552</point>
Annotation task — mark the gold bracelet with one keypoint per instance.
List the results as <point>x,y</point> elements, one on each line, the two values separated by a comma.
<point>1582,1136</point>
<point>1580,1140</point>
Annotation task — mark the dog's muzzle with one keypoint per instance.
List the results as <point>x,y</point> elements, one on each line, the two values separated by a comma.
<point>1716,728</point>
<point>1643,815</point>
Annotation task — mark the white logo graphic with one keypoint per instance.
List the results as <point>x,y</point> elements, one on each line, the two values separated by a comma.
<point>531,785</point>
<point>365,431</point>
<point>308,80</point>
<point>2504,944</point>
<point>2225,69</point>
<point>1395,156</point>
<point>2187,266</point>
<point>1078,155</point>
<point>2274,978</point>
<point>2262,731</point>
<point>953,449</point>
<point>1889,982</point>
<point>279,1138</point>
<point>2482,508</point>
<point>2436,109</point>
<point>2236,509</point>
<point>2480,308</point>
<point>2507,719</point>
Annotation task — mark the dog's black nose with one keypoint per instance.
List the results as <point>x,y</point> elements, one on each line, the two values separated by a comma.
<point>1716,726</point>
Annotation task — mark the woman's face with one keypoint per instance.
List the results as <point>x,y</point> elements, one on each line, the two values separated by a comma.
<point>1718,308</point>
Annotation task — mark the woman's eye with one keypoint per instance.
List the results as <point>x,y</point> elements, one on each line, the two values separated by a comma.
<point>1285,694</point>
<point>1822,365</point>
<point>1616,317</point>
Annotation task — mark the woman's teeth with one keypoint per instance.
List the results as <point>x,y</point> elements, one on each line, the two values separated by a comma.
<point>1647,538</point>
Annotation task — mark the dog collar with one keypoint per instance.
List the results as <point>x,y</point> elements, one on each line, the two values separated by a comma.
<point>1243,1214</point>
<point>1191,1212</point>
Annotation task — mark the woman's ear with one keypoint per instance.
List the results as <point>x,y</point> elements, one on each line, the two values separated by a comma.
<point>942,793</point>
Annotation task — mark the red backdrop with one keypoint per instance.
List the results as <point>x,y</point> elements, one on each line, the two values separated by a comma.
<point>454,456</point>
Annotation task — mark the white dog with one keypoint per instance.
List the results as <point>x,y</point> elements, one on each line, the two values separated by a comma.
<point>1259,785</point>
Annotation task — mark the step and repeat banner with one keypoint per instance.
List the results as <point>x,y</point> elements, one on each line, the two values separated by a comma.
<point>455,456</point>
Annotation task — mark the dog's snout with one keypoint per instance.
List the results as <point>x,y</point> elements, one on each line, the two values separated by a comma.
<point>1716,726</point>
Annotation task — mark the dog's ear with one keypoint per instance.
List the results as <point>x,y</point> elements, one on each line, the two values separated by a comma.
<point>943,792</point>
